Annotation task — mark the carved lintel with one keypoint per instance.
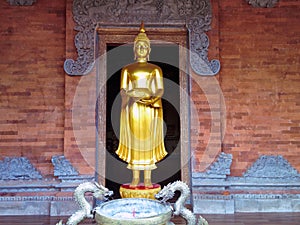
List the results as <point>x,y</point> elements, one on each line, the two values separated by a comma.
<point>18,168</point>
<point>194,14</point>
<point>262,3</point>
<point>21,2</point>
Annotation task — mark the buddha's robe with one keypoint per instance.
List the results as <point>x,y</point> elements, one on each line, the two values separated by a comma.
<point>141,122</point>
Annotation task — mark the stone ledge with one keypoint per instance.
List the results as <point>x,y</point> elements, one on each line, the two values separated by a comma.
<point>271,184</point>
<point>229,204</point>
<point>39,205</point>
<point>12,186</point>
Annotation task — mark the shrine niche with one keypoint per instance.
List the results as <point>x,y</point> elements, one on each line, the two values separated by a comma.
<point>89,15</point>
<point>169,43</point>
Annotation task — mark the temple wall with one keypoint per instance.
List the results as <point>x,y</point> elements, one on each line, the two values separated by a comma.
<point>260,80</point>
<point>250,109</point>
<point>258,169</point>
<point>32,43</point>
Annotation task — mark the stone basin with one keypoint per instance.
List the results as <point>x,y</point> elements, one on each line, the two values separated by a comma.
<point>133,211</point>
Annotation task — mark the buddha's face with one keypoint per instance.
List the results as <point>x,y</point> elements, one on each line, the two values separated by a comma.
<point>142,49</point>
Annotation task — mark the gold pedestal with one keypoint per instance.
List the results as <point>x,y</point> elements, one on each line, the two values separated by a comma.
<point>139,191</point>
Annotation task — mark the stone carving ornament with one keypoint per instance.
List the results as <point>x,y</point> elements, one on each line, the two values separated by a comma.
<point>272,167</point>
<point>219,169</point>
<point>194,14</point>
<point>63,167</point>
<point>18,168</point>
<point>262,3</point>
<point>21,2</point>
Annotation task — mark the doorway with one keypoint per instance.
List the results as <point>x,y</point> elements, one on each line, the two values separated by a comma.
<point>168,170</point>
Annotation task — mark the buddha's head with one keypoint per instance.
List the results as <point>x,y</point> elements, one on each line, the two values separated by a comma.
<point>142,45</point>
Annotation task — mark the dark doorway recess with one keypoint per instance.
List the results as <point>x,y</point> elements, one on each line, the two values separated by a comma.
<point>169,169</point>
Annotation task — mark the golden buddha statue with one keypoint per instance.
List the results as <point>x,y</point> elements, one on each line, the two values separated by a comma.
<point>141,122</point>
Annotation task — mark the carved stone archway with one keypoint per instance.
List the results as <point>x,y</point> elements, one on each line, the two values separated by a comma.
<point>195,15</point>
<point>94,18</point>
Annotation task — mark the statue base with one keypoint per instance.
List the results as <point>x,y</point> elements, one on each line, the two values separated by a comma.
<point>139,191</point>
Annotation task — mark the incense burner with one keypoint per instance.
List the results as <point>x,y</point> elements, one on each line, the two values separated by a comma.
<point>133,211</point>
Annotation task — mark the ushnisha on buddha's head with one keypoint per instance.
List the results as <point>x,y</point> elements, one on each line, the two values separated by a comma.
<point>141,45</point>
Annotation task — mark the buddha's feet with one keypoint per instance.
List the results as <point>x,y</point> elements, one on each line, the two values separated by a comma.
<point>148,183</point>
<point>134,183</point>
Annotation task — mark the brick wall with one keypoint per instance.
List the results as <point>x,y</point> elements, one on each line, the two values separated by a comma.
<point>32,52</point>
<point>260,79</point>
<point>259,50</point>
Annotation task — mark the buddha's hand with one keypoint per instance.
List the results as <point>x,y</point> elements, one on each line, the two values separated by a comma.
<point>140,93</point>
<point>148,100</point>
